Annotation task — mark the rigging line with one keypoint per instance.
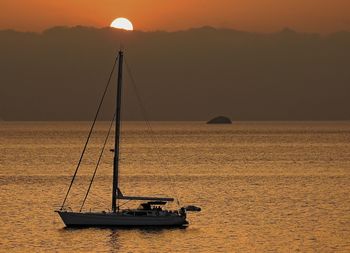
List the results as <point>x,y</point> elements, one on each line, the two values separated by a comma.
<point>98,162</point>
<point>91,129</point>
<point>125,203</point>
<point>145,116</point>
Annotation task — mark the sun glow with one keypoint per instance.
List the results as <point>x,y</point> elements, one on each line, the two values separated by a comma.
<point>122,23</point>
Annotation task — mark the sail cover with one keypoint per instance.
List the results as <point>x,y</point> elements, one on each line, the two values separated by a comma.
<point>145,198</point>
<point>121,196</point>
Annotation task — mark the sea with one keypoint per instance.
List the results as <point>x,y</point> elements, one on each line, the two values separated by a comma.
<point>262,186</point>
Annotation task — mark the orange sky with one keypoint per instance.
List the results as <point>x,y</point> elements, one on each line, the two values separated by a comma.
<point>251,15</point>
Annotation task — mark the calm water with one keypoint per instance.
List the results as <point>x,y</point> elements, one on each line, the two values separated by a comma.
<point>263,187</point>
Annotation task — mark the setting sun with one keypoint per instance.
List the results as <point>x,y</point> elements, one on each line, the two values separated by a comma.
<point>122,23</point>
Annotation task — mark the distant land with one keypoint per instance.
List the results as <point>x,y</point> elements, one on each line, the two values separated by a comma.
<point>220,120</point>
<point>186,75</point>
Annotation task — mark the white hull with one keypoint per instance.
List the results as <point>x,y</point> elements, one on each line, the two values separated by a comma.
<point>75,219</point>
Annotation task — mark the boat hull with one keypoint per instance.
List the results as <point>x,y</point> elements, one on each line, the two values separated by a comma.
<point>75,219</point>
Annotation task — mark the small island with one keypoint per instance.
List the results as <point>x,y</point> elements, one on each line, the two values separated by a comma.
<point>220,120</point>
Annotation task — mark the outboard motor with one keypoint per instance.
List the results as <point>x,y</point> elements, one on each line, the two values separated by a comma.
<point>182,212</point>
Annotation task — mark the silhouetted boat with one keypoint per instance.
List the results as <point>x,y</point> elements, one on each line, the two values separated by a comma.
<point>149,213</point>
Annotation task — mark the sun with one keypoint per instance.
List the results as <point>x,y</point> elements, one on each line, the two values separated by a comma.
<point>122,23</point>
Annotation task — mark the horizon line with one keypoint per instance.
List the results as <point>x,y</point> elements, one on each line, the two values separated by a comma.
<point>283,29</point>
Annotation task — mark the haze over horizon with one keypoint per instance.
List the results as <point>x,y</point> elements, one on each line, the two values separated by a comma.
<point>59,74</point>
<point>251,15</point>
<point>192,59</point>
<point>282,29</point>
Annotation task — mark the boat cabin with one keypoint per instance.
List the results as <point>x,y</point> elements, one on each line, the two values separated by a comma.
<point>152,205</point>
<point>151,208</point>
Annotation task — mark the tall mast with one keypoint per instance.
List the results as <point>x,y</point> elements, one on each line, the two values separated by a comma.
<point>117,133</point>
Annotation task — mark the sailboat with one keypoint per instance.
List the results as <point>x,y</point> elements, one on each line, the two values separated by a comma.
<point>151,211</point>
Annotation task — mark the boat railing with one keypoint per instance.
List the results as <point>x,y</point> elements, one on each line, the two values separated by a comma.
<point>64,209</point>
